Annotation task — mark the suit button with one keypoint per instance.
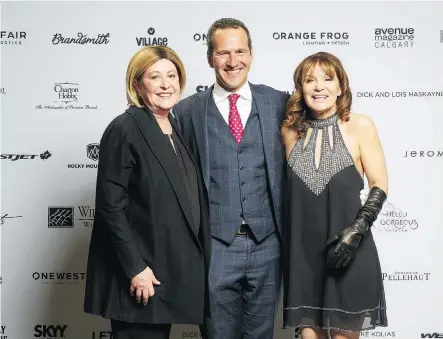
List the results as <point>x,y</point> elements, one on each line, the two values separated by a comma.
<point>242,183</point>
<point>240,152</point>
<point>243,199</point>
<point>241,215</point>
<point>242,168</point>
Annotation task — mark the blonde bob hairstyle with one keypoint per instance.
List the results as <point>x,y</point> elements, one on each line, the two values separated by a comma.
<point>141,61</point>
<point>297,112</point>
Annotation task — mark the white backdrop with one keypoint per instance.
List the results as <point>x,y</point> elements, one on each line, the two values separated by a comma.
<point>57,98</point>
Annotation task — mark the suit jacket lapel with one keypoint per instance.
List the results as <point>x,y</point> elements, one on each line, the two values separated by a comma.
<point>268,125</point>
<point>199,120</point>
<point>164,153</point>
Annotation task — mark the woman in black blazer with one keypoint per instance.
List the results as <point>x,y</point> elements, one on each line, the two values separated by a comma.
<point>150,245</point>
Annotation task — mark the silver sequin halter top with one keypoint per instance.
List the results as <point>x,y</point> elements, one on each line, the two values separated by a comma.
<point>333,157</point>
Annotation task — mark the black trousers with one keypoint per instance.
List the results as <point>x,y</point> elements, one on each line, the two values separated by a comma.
<point>122,330</point>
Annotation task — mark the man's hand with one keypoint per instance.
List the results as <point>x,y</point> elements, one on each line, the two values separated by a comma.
<point>142,285</point>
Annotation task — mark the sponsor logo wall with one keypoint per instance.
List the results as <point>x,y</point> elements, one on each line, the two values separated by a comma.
<point>66,97</point>
<point>12,37</point>
<point>5,217</point>
<point>14,157</point>
<point>201,38</point>
<point>314,38</point>
<point>50,331</point>
<point>92,153</point>
<point>432,335</point>
<point>399,37</point>
<point>151,39</point>
<point>394,219</point>
<point>3,332</point>
<point>64,216</point>
<point>81,39</point>
<point>101,335</point>
<point>378,334</point>
<point>63,81</point>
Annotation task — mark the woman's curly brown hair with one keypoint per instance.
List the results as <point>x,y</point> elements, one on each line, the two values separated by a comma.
<point>297,112</point>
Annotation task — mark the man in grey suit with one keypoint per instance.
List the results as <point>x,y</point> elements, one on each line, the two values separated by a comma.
<point>233,129</point>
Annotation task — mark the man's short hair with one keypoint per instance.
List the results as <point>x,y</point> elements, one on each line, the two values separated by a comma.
<point>224,23</point>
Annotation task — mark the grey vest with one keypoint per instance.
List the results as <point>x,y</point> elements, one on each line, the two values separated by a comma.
<point>238,187</point>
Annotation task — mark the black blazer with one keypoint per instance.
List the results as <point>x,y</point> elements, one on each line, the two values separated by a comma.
<point>143,218</point>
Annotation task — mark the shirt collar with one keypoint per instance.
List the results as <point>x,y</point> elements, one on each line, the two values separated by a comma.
<point>221,94</point>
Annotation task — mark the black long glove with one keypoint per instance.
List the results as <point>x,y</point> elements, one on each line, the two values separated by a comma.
<point>343,245</point>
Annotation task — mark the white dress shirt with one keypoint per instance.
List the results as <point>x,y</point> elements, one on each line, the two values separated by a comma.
<point>244,102</point>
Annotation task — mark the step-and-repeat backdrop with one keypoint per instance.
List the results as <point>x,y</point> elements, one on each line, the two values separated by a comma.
<point>63,80</point>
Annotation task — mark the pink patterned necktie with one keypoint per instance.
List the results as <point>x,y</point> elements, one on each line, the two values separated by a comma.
<point>235,124</point>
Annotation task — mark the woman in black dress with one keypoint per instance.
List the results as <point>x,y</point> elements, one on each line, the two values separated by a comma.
<point>333,281</point>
